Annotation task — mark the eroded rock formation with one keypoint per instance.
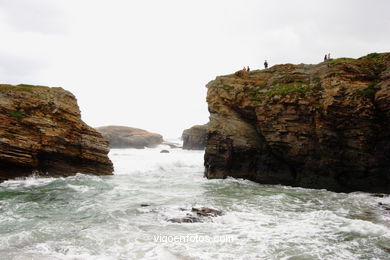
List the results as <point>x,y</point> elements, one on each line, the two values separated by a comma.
<point>195,137</point>
<point>129,137</point>
<point>317,126</point>
<point>41,132</point>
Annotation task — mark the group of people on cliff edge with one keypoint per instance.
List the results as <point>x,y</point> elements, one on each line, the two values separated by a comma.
<point>249,69</point>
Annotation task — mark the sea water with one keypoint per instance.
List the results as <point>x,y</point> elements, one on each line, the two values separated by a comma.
<point>129,216</point>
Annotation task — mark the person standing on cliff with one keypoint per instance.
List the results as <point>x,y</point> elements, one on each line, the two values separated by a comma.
<point>248,69</point>
<point>244,69</point>
<point>326,58</point>
<point>265,64</point>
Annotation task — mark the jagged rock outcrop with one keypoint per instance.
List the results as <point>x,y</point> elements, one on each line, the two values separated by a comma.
<point>316,126</point>
<point>41,132</point>
<point>195,137</point>
<point>129,137</point>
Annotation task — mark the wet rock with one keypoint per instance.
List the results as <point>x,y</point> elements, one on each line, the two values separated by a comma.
<point>384,206</point>
<point>379,195</point>
<point>185,220</point>
<point>197,215</point>
<point>207,212</point>
<point>164,151</point>
<point>145,205</point>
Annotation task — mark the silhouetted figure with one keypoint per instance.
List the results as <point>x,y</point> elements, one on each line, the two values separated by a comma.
<point>266,64</point>
<point>248,69</point>
<point>326,58</point>
<point>244,69</point>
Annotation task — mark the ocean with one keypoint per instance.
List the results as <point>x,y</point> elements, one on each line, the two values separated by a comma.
<point>147,211</point>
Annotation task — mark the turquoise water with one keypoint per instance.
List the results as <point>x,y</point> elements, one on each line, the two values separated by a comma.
<point>127,216</point>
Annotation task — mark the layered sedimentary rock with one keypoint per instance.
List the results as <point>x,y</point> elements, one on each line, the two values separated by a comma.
<point>41,132</point>
<point>129,137</point>
<point>195,137</point>
<point>317,126</point>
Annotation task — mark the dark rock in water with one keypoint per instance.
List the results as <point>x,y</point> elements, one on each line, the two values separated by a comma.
<point>324,126</point>
<point>164,151</point>
<point>185,220</point>
<point>379,195</point>
<point>197,215</point>
<point>145,205</point>
<point>195,137</point>
<point>384,206</point>
<point>207,212</point>
<point>41,133</point>
<point>129,137</point>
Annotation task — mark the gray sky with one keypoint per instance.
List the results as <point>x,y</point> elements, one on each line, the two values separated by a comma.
<point>145,63</point>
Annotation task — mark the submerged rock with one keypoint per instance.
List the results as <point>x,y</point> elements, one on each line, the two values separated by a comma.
<point>129,137</point>
<point>207,212</point>
<point>164,151</point>
<point>41,133</point>
<point>197,215</point>
<point>195,137</point>
<point>315,126</point>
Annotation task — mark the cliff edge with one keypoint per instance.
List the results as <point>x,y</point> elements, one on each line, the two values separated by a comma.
<point>41,132</point>
<point>315,126</point>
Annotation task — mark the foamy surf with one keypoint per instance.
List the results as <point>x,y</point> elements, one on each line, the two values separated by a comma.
<point>129,216</point>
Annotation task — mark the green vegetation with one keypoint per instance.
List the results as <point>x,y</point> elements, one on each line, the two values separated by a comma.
<point>257,95</point>
<point>373,56</point>
<point>284,89</point>
<point>225,87</point>
<point>17,114</point>
<point>342,60</point>
<point>20,87</point>
<point>318,106</point>
<point>369,91</point>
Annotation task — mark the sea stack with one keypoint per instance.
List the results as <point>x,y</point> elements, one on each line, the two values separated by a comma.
<point>315,126</point>
<point>41,132</point>
<point>194,138</point>
<point>130,137</point>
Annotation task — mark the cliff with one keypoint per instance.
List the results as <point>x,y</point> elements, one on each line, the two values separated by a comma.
<point>194,138</point>
<point>129,137</point>
<point>316,126</point>
<point>41,132</point>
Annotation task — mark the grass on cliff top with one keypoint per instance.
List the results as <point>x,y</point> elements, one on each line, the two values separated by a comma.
<point>20,87</point>
<point>372,56</point>
<point>342,60</point>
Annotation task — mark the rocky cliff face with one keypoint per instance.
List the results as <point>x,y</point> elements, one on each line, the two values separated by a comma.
<point>129,137</point>
<point>41,132</point>
<point>317,126</point>
<point>195,137</point>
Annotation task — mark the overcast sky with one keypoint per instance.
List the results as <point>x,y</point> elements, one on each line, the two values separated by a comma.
<point>146,63</point>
